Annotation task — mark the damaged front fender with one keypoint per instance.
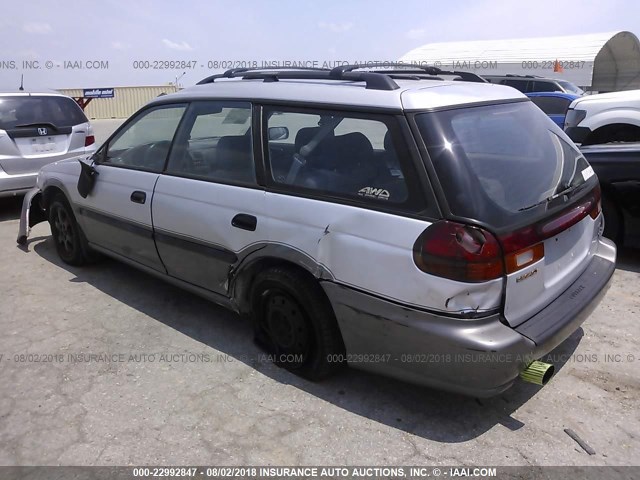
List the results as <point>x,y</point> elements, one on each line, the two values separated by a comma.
<point>32,214</point>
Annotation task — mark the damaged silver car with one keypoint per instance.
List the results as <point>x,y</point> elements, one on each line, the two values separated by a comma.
<point>444,232</point>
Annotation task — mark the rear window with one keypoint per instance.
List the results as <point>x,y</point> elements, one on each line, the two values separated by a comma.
<point>34,110</point>
<point>498,164</point>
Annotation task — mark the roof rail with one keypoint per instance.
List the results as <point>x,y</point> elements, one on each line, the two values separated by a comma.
<point>375,78</point>
<point>373,81</point>
<point>397,68</point>
<point>238,72</point>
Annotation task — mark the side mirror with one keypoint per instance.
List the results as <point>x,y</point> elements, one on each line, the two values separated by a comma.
<point>278,133</point>
<point>100,155</point>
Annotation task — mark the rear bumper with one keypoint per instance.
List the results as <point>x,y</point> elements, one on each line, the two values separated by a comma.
<point>480,357</point>
<point>16,184</point>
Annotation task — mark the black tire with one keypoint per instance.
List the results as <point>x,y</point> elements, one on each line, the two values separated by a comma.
<point>613,224</point>
<point>294,322</point>
<point>69,240</point>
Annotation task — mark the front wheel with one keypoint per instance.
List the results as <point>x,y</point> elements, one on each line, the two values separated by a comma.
<point>66,233</point>
<point>295,322</point>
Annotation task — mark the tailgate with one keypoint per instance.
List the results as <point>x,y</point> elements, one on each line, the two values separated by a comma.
<point>566,256</point>
<point>27,150</point>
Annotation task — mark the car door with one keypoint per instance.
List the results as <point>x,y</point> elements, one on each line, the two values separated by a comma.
<point>116,215</point>
<point>207,206</point>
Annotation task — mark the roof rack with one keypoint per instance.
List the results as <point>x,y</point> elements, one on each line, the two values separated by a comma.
<point>375,78</point>
<point>391,68</point>
<point>237,72</point>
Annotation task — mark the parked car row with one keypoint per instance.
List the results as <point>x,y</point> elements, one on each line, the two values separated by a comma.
<point>533,83</point>
<point>357,217</point>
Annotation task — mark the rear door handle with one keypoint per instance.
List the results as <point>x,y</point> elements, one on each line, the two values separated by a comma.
<point>138,197</point>
<point>245,222</point>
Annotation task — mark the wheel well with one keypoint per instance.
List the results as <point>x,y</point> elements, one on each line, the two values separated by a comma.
<point>621,132</point>
<point>48,195</point>
<point>242,284</point>
<point>610,203</point>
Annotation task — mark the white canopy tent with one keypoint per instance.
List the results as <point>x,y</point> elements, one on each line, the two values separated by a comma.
<point>599,62</point>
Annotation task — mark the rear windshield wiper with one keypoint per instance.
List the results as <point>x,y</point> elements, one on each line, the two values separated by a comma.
<point>562,192</point>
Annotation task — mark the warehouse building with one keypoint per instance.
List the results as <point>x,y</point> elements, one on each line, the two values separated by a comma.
<point>125,101</point>
<point>601,62</point>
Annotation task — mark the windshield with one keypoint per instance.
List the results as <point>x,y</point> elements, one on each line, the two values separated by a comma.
<point>31,110</point>
<point>570,87</point>
<point>500,163</point>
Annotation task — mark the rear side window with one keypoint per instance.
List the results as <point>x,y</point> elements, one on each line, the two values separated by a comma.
<point>337,154</point>
<point>552,105</point>
<point>517,84</point>
<point>539,86</point>
<point>33,110</point>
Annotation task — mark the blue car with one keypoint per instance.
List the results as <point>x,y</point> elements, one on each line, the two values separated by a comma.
<point>554,104</point>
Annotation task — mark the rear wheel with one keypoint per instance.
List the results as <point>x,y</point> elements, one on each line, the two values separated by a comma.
<point>294,321</point>
<point>70,242</point>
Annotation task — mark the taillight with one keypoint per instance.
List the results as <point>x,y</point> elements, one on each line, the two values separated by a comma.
<point>458,252</point>
<point>470,254</point>
<point>89,140</point>
<point>596,208</point>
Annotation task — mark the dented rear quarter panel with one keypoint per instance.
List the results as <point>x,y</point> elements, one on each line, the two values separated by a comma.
<point>371,251</point>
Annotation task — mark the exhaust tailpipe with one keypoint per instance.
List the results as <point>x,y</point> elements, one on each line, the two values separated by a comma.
<point>538,372</point>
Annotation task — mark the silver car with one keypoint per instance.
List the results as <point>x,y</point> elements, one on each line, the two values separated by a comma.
<point>443,232</point>
<point>37,128</point>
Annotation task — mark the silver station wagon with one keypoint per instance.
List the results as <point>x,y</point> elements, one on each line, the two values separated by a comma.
<point>37,128</point>
<point>422,224</point>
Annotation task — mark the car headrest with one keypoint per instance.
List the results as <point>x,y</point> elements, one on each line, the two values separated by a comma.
<point>234,152</point>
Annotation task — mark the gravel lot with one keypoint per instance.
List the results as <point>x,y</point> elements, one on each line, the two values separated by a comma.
<point>141,408</point>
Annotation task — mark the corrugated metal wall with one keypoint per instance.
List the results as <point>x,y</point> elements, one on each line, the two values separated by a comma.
<point>125,102</point>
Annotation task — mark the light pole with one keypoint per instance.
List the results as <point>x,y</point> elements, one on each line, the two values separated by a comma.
<point>178,79</point>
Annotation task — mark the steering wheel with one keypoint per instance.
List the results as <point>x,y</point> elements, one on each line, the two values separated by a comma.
<point>155,155</point>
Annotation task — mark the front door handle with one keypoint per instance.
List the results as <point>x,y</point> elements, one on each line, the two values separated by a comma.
<point>138,197</point>
<point>245,222</point>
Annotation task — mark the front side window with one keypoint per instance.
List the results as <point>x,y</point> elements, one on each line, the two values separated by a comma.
<point>144,143</point>
<point>215,143</point>
<point>345,155</point>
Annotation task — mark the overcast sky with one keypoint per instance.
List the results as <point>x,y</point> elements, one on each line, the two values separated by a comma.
<point>121,32</point>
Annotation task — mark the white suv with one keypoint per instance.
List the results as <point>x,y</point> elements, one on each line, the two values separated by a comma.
<point>604,118</point>
<point>442,232</point>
